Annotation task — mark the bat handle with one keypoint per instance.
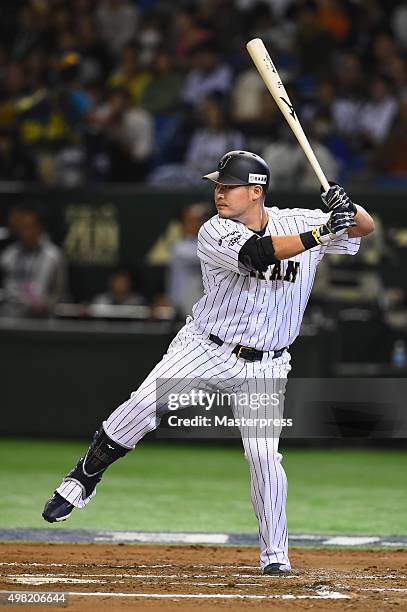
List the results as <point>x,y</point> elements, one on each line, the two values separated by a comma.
<point>316,167</point>
<point>324,183</point>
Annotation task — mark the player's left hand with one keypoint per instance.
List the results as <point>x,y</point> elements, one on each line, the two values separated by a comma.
<point>339,222</point>
<point>336,197</point>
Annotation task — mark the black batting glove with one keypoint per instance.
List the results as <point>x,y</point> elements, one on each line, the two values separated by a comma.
<point>338,223</point>
<point>336,197</point>
<point>340,220</point>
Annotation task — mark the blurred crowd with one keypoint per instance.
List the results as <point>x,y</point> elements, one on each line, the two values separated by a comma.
<point>35,276</point>
<point>155,91</point>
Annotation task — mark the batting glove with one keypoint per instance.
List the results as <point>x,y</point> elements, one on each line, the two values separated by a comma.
<point>338,223</point>
<point>336,197</point>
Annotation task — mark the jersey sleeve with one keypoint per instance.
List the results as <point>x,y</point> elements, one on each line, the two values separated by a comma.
<point>341,246</point>
<point>219,243</point>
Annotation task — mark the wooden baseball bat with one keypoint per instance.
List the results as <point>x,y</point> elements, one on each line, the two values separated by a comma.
<point>270,76</point>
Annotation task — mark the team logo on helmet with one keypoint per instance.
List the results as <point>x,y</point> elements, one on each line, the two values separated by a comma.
<point>258,179</point>
<point>223,162</point>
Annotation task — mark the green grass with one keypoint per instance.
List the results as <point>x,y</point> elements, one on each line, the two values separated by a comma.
<point>194,488</point>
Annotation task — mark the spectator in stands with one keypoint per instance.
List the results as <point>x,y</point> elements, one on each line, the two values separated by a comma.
<point>124,134</point>
<point>264,126</point>
<point>214,136</point>
<point>369,19</point>
<point>118,21</point>
<point>333,18</point>
<point>9,232</point>
<point>391,157</point>
<point>62,19</point>
<point>184,283</point>
<point>208,74</point>
<point>205,147</point>
<point>399,24</point>
<point>279,7</point>
<point>151,35</point>
<point>121,291</point>
<point>188,34</point>
<point>312,41</point>
<point>224,22</point>
<point>34,275</point>
<point>287,161</point>
<point>15,82</point>
<point>131,75</point>
<point>278,35</point>
<point>383,50</point>
<point>321,102</point>
<point>247,95</point>
<point>37,67</point>
<point>350,94</point>
<point>163,92</point>
<point>95,60</point>
<point>29,32</point>
<point>397,74</point>
<point>322,109</point>
<point>378,112</point>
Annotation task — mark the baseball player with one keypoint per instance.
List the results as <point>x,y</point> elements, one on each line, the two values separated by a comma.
<point>258,266</point>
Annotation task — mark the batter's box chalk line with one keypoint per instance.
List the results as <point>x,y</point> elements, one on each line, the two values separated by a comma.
<point>206,538</point>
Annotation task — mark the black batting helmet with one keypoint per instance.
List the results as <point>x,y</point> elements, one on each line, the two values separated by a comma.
<point>241,168</point>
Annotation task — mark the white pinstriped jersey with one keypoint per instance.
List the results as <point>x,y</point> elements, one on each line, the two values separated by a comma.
<point>263,311</point>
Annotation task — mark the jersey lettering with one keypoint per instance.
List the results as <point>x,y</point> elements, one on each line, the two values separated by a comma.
<point>276,273</point>
<point>258,275</point>
<point>290,273</point>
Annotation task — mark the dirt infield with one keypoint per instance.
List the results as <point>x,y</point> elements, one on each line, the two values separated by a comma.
<point>152,577</point>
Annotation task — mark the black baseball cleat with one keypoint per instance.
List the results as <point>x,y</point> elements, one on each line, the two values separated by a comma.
<point>275,569</point>
<point>57,509</point>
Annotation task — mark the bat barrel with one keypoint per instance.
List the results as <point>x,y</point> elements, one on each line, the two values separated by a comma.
<point>271,78</point>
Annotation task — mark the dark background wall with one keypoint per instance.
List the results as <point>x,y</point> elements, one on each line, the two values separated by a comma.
<point>99,228</point>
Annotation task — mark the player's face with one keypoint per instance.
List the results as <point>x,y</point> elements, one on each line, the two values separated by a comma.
<point>233,201</point>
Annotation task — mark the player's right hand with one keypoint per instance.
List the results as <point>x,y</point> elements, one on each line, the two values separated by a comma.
<point>336,197</point>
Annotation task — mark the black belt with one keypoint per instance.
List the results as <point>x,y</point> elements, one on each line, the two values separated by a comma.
<point>245,352</point>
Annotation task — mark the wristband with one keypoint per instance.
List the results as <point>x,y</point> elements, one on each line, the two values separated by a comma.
<point>311,239</point>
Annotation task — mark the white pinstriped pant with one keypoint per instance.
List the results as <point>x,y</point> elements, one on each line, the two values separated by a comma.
<point>192,356</point>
